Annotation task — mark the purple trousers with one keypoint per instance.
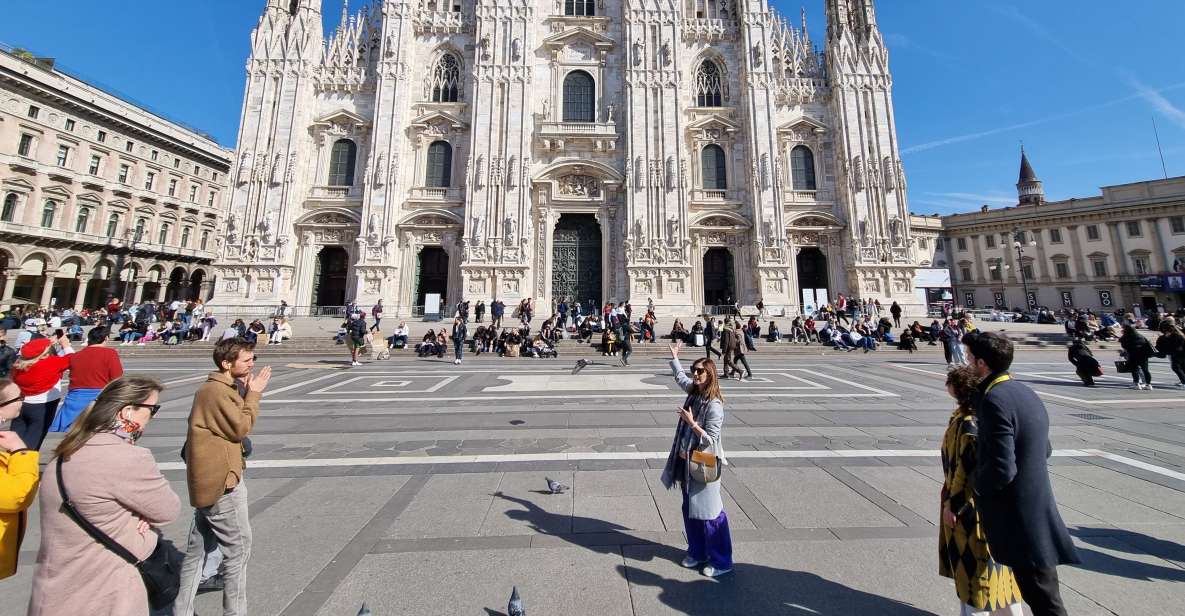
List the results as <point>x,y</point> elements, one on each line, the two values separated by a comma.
<point>708,540</point>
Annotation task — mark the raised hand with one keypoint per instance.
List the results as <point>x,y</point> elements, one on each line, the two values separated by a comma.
<point>676,346</point>
<point>257,382</point>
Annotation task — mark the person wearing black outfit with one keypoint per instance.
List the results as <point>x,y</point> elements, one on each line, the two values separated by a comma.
<point>1085,365</point>
<point>479,311</point>
<point>460,332</point>
<point>622,327</point>
<point>7,358</point>
<point>1015,497</point>
<point>1170,344</point>
<point>895,310</point>
<point>1138,351</point>
<point>709,337</point>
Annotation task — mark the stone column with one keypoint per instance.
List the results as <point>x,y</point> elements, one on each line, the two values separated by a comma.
<point>137,290</point>
<point>10,277</point>
<point>1161,261</point>
<point>160,291</point>
<point>1121,261</point>
<point>47,290</point>
<point>80,295</point>
<point>1077,259</point>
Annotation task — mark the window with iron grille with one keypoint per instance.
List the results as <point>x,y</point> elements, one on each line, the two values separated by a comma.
<point>341,163</point>
<point>579,97</point>
<point>440,165</point>
<point>709,86</point>
<point>446,79</point>
<point>802,166</point>
<point>715,167</point>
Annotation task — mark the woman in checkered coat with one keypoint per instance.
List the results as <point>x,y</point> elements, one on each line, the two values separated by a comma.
<point>985,587</point>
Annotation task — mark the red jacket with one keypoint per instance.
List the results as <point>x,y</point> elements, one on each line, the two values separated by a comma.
<point>94,367</point>
<point>41,376</point>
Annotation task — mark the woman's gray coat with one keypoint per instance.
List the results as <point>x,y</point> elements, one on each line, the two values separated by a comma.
<point>703,500</point>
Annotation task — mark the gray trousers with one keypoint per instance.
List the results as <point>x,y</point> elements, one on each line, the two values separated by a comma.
<point>223,525</point>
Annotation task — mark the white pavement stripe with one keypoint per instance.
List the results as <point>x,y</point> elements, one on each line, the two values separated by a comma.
<point>1062,396</point>
<point>186,380</point>
<point>1137,464</point>
<point>566,397</point>
<point>301,384</point>
<point>591,456</point>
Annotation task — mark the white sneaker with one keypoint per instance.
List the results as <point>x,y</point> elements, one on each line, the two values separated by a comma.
<point>1148,386</point>
<point>713,572</point>
<point>356,363</point>
<point>1136,386</point>
<point>457,362</point>
<point>691,563</point>
<point>1180,385</point>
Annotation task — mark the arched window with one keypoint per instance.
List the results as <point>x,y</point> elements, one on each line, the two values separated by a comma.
<point>163,237</point>
<point>9,213</point>
<point>140,224</point>
<point>709,87</point>
<point>47,214</point>
<point>802,166</point>
<point>205,239</point>
<point>714,167</point>
<point>446,79</point>
<point>341,163</point>
<point>112,225</point>
<point>579,8</point>
<point>580,93</point>
<point>440,165</point>
<point>185,237</point>
<point>84,215</point>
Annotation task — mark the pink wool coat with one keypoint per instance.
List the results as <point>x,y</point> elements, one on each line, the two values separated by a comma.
<point>114,485</point>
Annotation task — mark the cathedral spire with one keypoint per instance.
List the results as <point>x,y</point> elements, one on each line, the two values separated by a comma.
<point>1028,188</point>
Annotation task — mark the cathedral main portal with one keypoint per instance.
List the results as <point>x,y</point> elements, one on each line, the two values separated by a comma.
<point>576,260</point>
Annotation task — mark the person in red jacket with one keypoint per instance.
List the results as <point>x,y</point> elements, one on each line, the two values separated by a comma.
<point>91,369</point>
<point>39,374</point>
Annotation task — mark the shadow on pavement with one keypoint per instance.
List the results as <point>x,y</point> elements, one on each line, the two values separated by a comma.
<point>749,589</point>
<point>1132,543</point>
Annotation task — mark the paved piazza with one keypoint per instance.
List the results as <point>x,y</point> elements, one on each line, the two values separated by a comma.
<point>417,486</point>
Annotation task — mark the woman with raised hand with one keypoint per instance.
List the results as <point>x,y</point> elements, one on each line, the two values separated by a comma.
<point>696,462</point>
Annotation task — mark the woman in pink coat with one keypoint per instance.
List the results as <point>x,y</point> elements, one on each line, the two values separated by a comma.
<point>117,487</point>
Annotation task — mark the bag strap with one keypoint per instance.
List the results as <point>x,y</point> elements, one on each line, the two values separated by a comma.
<point>91,529</point>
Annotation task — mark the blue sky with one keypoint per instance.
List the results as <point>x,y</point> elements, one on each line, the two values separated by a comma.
<point>1079,81</point>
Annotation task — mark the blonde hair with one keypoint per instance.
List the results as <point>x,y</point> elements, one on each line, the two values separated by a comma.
<point>100,415</point>
<point>25,364</point>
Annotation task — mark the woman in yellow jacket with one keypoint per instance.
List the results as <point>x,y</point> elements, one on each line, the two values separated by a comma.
<point>18,479</point>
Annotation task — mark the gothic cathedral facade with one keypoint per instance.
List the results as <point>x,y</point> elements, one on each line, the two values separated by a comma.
<point>689,152</point>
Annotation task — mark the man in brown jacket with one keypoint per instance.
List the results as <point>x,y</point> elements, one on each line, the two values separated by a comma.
<point>224,411</point>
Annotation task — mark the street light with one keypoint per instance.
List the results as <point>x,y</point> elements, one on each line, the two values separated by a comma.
<point>1019,245</point>
<point>1001,268</point>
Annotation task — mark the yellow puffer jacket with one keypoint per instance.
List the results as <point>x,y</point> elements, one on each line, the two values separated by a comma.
<point>18,486</point>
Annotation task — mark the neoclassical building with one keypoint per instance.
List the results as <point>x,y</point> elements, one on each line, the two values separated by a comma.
<point>1123,248</point>
<point>98,196</point>
<point>695,152</point>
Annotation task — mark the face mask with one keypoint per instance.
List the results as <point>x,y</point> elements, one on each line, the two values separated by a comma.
<point>5,425</point>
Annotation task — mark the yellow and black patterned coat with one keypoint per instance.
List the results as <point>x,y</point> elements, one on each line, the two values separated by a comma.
<point>963,553</point>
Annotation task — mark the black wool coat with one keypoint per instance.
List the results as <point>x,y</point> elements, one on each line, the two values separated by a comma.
<point>1016,503</point>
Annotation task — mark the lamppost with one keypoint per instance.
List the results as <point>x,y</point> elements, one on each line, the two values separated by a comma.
<point>1019,245</point>
<point>1001,268</point>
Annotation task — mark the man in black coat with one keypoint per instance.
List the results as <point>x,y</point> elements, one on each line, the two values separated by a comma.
<point>709,337</point>
<point>1015,498</point>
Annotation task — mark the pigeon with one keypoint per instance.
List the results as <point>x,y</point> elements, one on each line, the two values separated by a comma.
<point>515,607</point>
<point>365,611</point>
<point>554,486</point>
<point>580,365</point>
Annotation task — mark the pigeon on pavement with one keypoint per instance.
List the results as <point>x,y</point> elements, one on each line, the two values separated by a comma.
<point>515,607</point>
<point>554,486</point>
<point>365,611</point>
<point>580,365</point>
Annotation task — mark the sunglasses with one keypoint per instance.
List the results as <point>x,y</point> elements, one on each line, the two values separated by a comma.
<point>20,398</point>
<point>699,371</point>
<point>153,408</point>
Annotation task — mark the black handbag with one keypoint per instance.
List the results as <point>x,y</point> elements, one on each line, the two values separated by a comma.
<point>161,571</point>
<point>1123,366</point>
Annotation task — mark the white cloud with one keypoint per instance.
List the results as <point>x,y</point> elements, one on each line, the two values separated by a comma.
<point>1160,103</point>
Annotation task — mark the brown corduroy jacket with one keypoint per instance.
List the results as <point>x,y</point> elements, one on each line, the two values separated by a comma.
<point>218,423</point>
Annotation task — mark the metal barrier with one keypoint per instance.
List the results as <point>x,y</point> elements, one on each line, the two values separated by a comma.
<point>720,310</point>
<point>260,311</point>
